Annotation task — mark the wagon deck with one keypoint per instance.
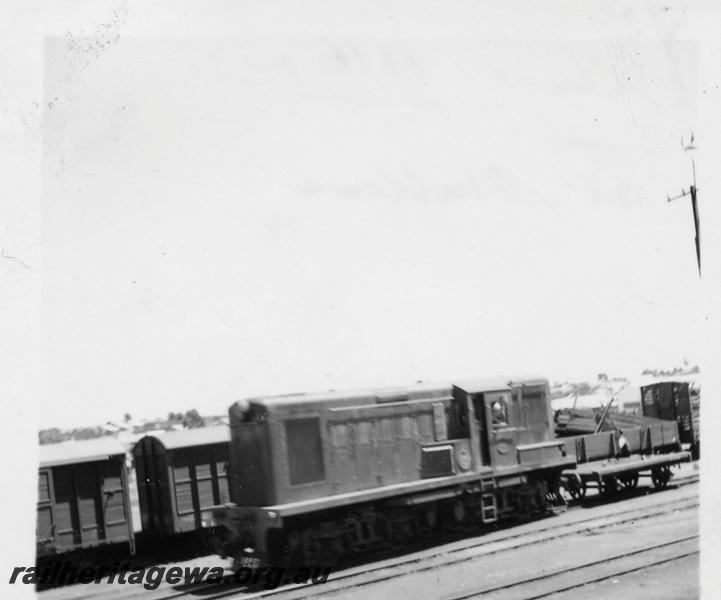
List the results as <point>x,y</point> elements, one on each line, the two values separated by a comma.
<point>619,466</point>
<point>607,475</point>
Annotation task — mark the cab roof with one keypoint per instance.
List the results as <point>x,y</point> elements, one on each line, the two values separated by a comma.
<point>498,384</point>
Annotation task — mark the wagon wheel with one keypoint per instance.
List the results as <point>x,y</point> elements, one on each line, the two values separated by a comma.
<point>660,478</point>
<point>575,488</point>
<point>629,481</point>
<point>609,486</point>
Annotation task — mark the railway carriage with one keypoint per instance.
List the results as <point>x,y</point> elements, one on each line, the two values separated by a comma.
<point>180,474</point>
<point>83,498</point>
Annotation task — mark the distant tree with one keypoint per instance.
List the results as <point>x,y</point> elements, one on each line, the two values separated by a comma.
<point>694,369</point>
<point>148,426</point>
<point>583,389</point>
<point>50,436</point>
<point>193,419</point>
<point>87,433</point>
<point>602,377</point>
<point>127,418</point>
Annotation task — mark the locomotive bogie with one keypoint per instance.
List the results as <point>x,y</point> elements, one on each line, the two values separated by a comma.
<point>327,536</point>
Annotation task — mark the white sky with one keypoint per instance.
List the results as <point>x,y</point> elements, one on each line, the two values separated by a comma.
<point>303,207</point>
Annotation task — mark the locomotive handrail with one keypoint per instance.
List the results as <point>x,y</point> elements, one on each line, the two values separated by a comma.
<point>429,401</point>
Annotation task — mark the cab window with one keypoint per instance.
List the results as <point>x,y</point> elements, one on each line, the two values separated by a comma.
<point>499,412</point>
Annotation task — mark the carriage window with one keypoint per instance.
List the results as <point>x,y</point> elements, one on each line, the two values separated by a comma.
<point>305,451</point>
<point>499,412</point>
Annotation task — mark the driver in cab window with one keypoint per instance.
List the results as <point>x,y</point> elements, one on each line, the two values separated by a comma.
<point>499,412</point>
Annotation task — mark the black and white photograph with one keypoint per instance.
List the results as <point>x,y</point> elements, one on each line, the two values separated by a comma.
<point>386,299</point>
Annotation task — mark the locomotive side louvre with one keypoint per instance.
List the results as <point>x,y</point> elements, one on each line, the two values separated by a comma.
<point>82,497</point>
<point>180,475</point>
<point>302,447</point>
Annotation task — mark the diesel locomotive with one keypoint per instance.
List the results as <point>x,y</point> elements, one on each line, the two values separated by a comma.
<point>315,477</point>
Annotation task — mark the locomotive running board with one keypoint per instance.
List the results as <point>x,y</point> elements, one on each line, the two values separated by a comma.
<point>423,498</point>
<point>385,494</point>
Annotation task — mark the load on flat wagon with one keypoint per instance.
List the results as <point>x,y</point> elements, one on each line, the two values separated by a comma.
<point>180,474</point>
<point>318,476</point>
<point>82,497</point>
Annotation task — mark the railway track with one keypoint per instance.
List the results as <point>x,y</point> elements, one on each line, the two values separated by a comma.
<point>470,551</point>
<point>577,576</point>
<point>423,559</point>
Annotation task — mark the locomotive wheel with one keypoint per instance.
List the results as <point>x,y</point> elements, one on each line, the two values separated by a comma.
<point>294,545</point>
<point>629,481</point>
<point>282,546</point>
<point>428,520</point>
<point>459,512</point>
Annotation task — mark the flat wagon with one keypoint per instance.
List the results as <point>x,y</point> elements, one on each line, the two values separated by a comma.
<point>610,460</point>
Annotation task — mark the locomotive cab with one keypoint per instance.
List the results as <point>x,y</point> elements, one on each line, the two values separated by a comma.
<point>510,423</point>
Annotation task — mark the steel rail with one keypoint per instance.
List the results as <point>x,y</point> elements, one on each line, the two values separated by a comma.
<point>326,589</point>
<point>595,563</point>
<point>421,563</point>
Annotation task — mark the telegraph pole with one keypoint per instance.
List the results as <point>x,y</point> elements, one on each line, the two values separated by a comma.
<point>692,191</point>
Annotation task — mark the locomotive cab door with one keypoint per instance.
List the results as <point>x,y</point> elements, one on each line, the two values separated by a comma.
<point>497,417</point>
<point>481,426</point>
